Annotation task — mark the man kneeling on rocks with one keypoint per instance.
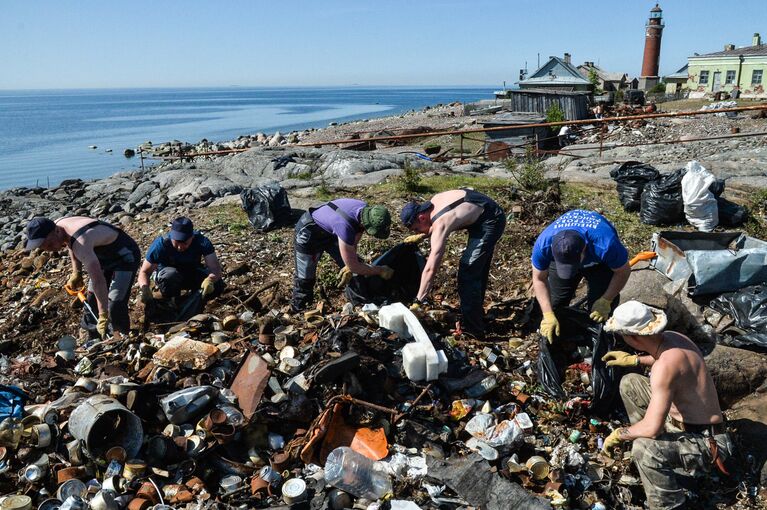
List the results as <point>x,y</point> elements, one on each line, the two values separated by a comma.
<point>676,423</point>
<point>336,227</point>
<point>109,256</point>
<point>183,259</point>
<point>446,212</point>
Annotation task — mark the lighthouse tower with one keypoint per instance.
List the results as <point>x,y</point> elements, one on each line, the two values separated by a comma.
<point>652,36</point>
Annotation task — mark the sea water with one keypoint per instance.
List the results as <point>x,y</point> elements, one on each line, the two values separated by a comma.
<point>46,135</point>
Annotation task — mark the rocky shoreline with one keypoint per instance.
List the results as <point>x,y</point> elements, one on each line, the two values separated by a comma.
<point>177,186</point>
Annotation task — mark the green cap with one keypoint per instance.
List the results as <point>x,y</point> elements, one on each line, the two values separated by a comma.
<point>376,221</point>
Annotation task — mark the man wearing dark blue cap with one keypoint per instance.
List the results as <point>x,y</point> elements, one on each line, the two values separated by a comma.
<point>183,259</point>
<point>446,212</point>
<point>109,256</point>
<point>578,244</point>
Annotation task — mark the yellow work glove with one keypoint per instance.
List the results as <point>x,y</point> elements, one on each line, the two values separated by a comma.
<point>613,440</point>
<point>386,272</point>
<point>344,277</point>
<point>207,287</point>
<point>415,307</point>
<point>75,281</point>
<point>414,239</point>
<point>620,359</point>
<point>102,324</point>
<point>600,311</point>
<point>145,294</point>
<point>549,326</point>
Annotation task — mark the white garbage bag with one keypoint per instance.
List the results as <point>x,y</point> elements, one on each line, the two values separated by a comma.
<point>700,205</point>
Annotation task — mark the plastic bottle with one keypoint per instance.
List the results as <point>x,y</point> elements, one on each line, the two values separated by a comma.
<point>352,472</point>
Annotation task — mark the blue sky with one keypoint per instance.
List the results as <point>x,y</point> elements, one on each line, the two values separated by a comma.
<point>172,43</point>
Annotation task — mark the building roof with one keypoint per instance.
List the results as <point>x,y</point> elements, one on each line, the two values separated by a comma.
<point>747,51</point>
<point>556,72</point>
<point>603,75</point>
<point>680,74</point>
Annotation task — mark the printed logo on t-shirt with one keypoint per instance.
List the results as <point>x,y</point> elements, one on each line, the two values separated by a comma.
<point>582,219</point>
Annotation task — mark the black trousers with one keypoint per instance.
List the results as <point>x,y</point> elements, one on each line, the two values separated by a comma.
<point>474,268</point>
<point>171,281</point>
<point>562,291</point>
<point>311,241</point>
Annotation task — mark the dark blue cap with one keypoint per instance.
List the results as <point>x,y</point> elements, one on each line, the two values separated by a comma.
<point>37,230</point>
<point>411,210</point>
<point>181,229</point>
<point>567,249</point>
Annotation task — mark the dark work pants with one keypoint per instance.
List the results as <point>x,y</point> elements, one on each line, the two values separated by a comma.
<point>311,241</point>
<point>171,281</point>
<point>119,284</point>
<point>562,291</point>
<point>474,268</point>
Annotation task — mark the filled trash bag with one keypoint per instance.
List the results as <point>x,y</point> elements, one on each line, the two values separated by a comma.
<point>730,213</point>
<point>631,178</point>
<point>267,207</point>
<point>407,263</point>
<point>662,202</point>
<point>748,307</point>
<point>580,338</point>
<point>700,206</point>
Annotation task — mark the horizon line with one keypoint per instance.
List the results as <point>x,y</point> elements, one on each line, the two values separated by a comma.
<point>266,87</point>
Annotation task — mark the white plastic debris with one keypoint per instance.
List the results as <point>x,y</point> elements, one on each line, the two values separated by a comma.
<point>700,206</point>
<point>487,429</point>
<point>420,363</point>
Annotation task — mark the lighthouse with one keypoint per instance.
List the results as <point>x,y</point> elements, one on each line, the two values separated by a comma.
<point>652,36</point>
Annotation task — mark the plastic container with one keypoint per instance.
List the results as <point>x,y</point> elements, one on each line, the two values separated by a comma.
<point>356,474</point>
<point>185,405</point>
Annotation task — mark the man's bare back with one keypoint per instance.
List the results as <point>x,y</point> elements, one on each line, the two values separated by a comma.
<point>97,236</point>
<point>693,394</point>
<point>461,217</point>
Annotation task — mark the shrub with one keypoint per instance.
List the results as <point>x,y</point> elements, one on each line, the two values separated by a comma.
<point>530,172</point>
<point>410,180</point>
<point>555,113</point>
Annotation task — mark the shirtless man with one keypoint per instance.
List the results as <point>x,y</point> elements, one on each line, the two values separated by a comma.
<point>445,213</point>
<point>676,422</point>
<point>109,256</point>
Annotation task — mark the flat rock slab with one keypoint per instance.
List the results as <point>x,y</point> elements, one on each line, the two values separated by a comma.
<point>180,352</point>
<point>470,477</point>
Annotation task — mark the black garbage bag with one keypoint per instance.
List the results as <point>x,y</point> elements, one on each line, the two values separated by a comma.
<point>717,187</point>
<point>631,178</point>
<point>748,307</point>
<point>662,202</point>
<point>730,213</point>
<point>267,207</point>
<point>407,263</point>
<point>580,337</point>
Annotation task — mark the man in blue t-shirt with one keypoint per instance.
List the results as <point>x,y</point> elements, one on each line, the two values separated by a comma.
<point>578,244</point>
<point>183,260</point>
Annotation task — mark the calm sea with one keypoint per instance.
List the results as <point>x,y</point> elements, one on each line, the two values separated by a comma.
<point>45,135</point>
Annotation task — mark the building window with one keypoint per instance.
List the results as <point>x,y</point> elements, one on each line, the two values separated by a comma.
<point>729,78</point>
<point>756,77</point>
<point>703,80</point>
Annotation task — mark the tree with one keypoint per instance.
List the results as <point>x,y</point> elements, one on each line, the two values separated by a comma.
<point>594,79</point>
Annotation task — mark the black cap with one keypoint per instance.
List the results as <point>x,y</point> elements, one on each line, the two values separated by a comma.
<point>567,249</point>
<point>37,230</point>
<point>411,210</point>
<point>181,229</point>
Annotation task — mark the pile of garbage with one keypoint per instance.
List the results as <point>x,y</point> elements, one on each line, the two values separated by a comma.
<point>691,193</point>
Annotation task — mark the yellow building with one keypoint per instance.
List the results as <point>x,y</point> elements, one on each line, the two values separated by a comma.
<point>734,69</point>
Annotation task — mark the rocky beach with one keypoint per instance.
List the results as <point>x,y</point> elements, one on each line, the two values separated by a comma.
<point>259,268</point>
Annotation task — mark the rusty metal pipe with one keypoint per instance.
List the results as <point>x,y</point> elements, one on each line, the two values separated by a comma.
<point>627,118</point>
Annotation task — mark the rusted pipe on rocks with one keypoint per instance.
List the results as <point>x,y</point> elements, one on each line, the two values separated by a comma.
<point>627,118</point>
<point>665,142</point>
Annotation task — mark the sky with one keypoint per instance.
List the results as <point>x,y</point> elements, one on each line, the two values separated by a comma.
<point>59,44</point>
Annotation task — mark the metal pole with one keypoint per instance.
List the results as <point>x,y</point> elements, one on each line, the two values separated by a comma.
<point>461,147</point>
<point>601,139</point>
<point>141,155</point>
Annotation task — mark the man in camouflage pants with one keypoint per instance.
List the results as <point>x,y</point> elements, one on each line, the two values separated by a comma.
<point>677,426</point>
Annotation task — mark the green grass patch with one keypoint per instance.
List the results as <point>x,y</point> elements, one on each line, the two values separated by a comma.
<point>439,183</point>
<point>231,216</point>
